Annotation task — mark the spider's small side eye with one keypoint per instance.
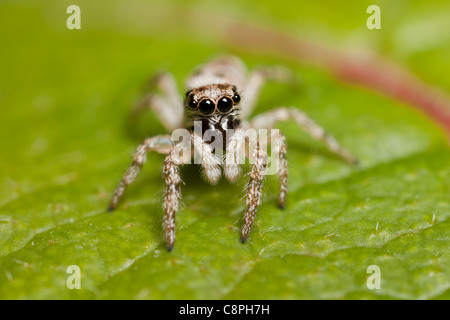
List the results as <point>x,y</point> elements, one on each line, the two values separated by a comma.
<point>191,103</point>
<point>236,98</point>
<point>224,104</point>
<point>206,106</point>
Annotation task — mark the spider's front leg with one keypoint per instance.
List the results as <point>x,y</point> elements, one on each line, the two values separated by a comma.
<point>172,194</point>
<point>280,149</point>
<point>254,187</point>
<point>235,152</point>
<point>211,170</point>
<point>161,144</point>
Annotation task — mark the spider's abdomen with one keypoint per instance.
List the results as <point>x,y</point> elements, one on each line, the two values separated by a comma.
<point>226,69</point>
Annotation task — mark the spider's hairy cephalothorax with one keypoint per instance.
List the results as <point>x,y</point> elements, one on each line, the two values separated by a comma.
<point>213,107</point>
<point>220,97</point>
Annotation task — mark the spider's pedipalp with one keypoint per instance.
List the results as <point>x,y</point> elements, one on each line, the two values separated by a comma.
<point>210,162</point>
<point>234,155</point>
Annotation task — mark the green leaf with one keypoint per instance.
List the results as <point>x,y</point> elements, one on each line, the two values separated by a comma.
<point>65,96</point>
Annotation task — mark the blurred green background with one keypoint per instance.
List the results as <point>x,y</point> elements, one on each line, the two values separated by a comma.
<point>65,96</point>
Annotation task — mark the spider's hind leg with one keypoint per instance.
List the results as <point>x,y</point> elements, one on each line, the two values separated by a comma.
<point>256,81</point>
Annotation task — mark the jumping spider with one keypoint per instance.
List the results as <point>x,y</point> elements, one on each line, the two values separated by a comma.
<point>220,96</point>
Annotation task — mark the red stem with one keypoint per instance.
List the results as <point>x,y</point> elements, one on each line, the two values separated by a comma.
<point>370,72</point>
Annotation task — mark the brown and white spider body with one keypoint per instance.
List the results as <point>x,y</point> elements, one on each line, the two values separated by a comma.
<point>220,98</point>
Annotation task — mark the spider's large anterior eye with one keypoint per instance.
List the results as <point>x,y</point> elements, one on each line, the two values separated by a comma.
<point>236,98</point>
<point>206,106</point>
<point>224,104</point>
